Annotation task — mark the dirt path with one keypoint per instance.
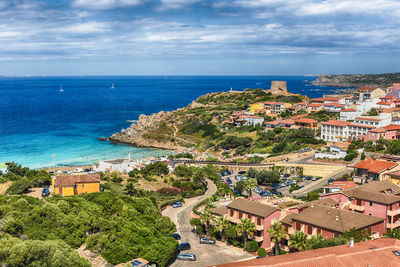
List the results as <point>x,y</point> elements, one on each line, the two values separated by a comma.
<point>95,259</point>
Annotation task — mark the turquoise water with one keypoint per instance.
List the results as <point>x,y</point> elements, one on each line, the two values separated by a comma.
<point>40,125</point>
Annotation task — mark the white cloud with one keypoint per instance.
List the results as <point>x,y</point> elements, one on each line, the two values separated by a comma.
<point>106,4</point>
<point>86,28</point>
<point>176,4</point>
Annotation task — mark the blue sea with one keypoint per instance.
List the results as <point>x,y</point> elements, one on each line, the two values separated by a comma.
<point>41,126</point>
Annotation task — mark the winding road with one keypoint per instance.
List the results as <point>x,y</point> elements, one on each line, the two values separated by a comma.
<point>206,255</point>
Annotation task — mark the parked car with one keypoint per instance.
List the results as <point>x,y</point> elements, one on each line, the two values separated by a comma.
<point>276,192</point>
<point>177,204</point>
<point>265,194</point>
<point>229,172</point>
<point>331,181</point>
<point>45,192</point>
<point>286,175</point>
<point>176,236</point>
<point>184,246</point>
<point>229,181</point>
<point>186,257</point>
<point>314,179</point>
<point>206,240</point>
<point>242,172</point>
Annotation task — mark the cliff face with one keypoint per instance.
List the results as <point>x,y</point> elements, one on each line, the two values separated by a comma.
<point>356,80</point>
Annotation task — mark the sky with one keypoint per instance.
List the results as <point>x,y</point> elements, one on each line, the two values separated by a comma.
<point>199,37</point>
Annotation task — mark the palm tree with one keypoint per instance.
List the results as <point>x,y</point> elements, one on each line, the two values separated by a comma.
<point>277,232</point>
<point>206,217</point>
<point>245,228</point>
<point>298,241</point>
<point>221,223</point>
<point>249,185</point>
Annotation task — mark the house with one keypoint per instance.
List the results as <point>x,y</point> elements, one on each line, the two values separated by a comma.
<point>394,177</point>
<point>287,123</point>
<point>124,165</point>
<point>333,107</point>
<point>365,92</point>
<point>349,114</point>
<point>257,108</point>
<point>274,107</point>
<point>374,135</point>
<point>338,150</point>
<point>392,131</point>
<point>379,199</point>
<point>332,222</point>
<point>314,107</point>
<point>3,168</point>
<point>69,185</point>
<point>334,130</point>
<point>376,121</point>
<point>262,215</point>
<point>252,120</point>
<point>272,124</point>
<point>394,90</point>
<point>372,253</point>
<point>386,102</point>
<point>371,169</point>
<point>306,123</point>
<point>301,106</point>
<point>337,186</point>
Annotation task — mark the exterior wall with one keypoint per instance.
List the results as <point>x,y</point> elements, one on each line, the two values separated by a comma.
<point>304,228</point>
<point>66,191</point>
<point>87,188</point>
<point>338,197</point>
<point>391,135</point>
<point>267,224</point>
<point>349,115</point>
<point>378,93</point>
<point>256,106</point>
<point>333,133</point>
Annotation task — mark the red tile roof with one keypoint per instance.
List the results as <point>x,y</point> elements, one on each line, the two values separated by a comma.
<point>349,110</point>
<point>363,126</point>
<point>367,119</point>
<point>378,252</point>
<point>336,123</point>
<point>366,88</point>
<point>392,127</point>
<point>378,130</point>
<point>315,105</point>
<point>388,97</point>
<point>70,180</point>
<point>334,105</point>
<point>341,184</point>
<point>375,166</point>
<point>273,103</point>
<point>384,103</point>
<point>306,120</point>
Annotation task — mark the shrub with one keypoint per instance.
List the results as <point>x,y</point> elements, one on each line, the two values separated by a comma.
<point>252,246</point>
<point>19,187</point>
<point>261,252</point>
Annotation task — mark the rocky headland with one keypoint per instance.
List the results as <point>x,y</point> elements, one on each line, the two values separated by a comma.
<point>356,80</point>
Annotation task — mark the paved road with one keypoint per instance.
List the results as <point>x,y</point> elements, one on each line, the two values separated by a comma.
<point>206,254</point>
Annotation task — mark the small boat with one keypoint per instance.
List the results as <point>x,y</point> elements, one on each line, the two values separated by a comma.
<point>112,86</point>
<point>61,89</point>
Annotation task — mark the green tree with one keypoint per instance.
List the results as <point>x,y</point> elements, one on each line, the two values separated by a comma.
<point>277,232</point>
<point>249,185</point>
<point>298,241</point>
<point>206,217</point>
<point>221,223</point>
<point>245,228</point>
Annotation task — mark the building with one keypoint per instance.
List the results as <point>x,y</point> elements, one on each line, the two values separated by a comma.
<point>365,92</point>
<point>314,107</point>
<point>338,150</point>
<point>370,169</point>
<point>306,123</point>
<point>335,131</point>
<point>379,199</point>
<point>252,120</point>
<point>257,108</point>
<point>274,107</point>
<point>374,135</point>
<point>262,215</point>
<point>349,114</point>
<point>120,165</point>
<point>376,121</point>
<point>332,222</point>
<point>333,107</point>
<point>69,185</point>
<point>372,253</point>
<point>337,186</point>
<point>392,131</point>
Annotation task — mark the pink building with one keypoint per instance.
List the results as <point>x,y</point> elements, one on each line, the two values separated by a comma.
<point>262,215</point>
<point>392,131</point>
<point>380,199</point>
<point>370,169</point>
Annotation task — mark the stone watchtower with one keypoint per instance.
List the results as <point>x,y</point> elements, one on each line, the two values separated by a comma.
<point>278,88</point>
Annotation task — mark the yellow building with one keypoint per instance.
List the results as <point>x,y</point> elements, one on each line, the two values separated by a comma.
<point>69,185</point>
<point>256,108</point>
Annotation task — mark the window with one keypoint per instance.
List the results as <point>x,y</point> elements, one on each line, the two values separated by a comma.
<point>83,185</point>
<point>359,202</point>
<point>370,204</point>
<point>298,226</point>
<point>249,217</point>
<point>231,212</point>
<point>258,221</point>
<point>319,231</point>
<point>309,230</point>
<point>240,215</point>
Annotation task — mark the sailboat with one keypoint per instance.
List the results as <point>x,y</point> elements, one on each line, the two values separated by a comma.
<point>112,86</point>
<point>61,89</point>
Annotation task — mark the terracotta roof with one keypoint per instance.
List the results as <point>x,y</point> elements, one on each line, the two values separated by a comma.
<point>272,122</point>
<point>306,120</point>
<point>273,103</point>
<point>222,210</point>
<point>251,207</point>
<point>388,97</point>
<point>367,119</point>
<point>361,254</point>
<point>328,202</point>
<point>348,110</point>
<point>384,103</point>
<point>319,99</point>
<point>362,126</point>
<point>366,88</point>
<point>375,166</point>
<point>71,180</point>
<point>336,123</point>
<point>392,127</point>
<point>315,105</point>
<point>288,219</point>
<point>378,130</point>
<point>334,105</point>
<point>343,185</point>
<point>341,145</point>
<point>287,121</point>
<point>337,220</point>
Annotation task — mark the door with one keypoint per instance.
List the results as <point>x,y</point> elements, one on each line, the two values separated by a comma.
<point>60,191</point>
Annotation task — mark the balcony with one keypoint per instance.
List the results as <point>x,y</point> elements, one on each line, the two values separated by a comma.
<point>393,225</point>
<point>357,207</point>
<point>258,238</point>
<point>393,212</point>
<point>233,220</point>
<point>259,227</point>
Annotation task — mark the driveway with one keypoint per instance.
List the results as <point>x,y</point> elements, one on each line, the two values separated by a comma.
<point>206,254</point>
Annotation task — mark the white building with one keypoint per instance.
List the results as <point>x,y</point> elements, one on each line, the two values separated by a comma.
<point>349,114</point>
<point>378,121</point>
<point>334,130</point>
<point>252,120</point>
<point>119,165</point>
<point>333,107</point>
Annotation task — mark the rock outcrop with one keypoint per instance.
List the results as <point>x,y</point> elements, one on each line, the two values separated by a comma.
<point>356,80</point>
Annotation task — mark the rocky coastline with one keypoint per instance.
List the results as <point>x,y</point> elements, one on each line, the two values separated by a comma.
<point>356,80</point>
